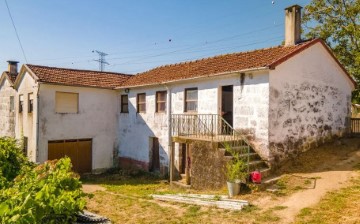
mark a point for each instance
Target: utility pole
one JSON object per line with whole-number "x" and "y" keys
{"x": 101, "y": 60}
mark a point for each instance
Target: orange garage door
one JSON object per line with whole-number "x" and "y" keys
{"x": 79, "y": 151}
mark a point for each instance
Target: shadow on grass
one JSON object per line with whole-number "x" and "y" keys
{"x": 124, "y": 177}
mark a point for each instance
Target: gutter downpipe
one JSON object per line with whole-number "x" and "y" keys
{"x": 37, "y": 122}
{"x": 170, "y": 148}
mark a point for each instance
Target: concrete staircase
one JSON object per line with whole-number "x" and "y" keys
{"x": 254, "y": 160}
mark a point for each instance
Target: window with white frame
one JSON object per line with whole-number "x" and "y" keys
{"x": 191, "y": 100}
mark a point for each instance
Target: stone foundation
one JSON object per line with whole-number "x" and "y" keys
{"x": 207, "y": 166}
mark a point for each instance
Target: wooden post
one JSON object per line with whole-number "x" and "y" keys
{"x": 187, "y": 166}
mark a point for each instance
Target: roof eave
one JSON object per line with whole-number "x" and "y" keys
{"x": 85, "y": 86}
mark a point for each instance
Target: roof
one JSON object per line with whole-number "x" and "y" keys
{"x": 75, "y": 77}
{"x": 235, "y": 62}
{"x": 11, "y": 77}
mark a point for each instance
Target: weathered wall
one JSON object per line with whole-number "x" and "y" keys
{"x": 136, "y": 129}
{"x": 7, "y": 117}
{"x": 309, "y": 102}
{"x": 26, "y": 122}
{"x": 250, "y": 114}
{"x": 96, "y": 119}
{"x": 204, "y": 175}
{"x": 251, "y": 103}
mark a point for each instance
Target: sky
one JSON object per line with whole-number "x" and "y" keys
{"x": 137, "y": 35}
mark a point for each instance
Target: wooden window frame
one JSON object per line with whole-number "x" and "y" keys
{"x": 138, "y": 103}
{"x": 124, "y": 104}
{"x": 186, "y": 101}
{"x": 30, "y": 103}
{"x": 21, "y": 103}
{"x": 158, "y": 102}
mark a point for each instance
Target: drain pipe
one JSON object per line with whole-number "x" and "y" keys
{"x": 170, "y": 148}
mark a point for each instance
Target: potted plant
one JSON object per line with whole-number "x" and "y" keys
{"x": 236, "y": 172}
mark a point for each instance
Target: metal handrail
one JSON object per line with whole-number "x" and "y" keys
{"x": 209, "y": 126}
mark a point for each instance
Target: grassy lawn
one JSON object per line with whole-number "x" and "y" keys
{"x": 128, "y": 200}
{"x": 342, "y": 206}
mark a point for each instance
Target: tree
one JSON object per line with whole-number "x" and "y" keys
{"x": 338, "y": 23}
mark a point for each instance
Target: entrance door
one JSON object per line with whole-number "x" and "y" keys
{"x": 227, "y": 100}
{"x": 155, "y": 157}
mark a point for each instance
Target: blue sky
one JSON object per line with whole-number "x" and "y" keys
{"x": 137, "y": 34}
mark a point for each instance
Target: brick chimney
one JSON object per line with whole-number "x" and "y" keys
{"x": 292, "y": 25}
{"x": 13, "y": 67}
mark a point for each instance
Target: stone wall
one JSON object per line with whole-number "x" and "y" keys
{"x": 310, "y": 100}
{"x": 207, "y": 166}
{"x": 7, "y": 116}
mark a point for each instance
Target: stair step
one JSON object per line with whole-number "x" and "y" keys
{"x": 253, "y": 156}
{"x": 265, "y": 172}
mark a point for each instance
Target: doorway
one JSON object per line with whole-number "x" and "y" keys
{"x": 154, "y": 155}
{"x": 227, "y": 101}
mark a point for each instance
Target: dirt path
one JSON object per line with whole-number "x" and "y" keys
{"x": 336, "y": 178}
{"x": 91, "y": 188}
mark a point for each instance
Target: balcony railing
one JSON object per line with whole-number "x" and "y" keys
{"x": 211, "y": 127}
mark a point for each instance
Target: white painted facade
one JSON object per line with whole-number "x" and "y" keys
{"x": 96, "y": 120}
{"x": 7, "y": 114}
{"x": 250, "y": 112}
{"x": 25, "y": 122}
{"x": 303, "y": 100}
{"x": 310, "y": 101}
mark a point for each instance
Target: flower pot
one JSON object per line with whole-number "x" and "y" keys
{"x": 233, "y": 188}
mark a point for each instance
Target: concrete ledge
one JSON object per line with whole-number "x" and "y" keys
{"x": 222, "y": 202}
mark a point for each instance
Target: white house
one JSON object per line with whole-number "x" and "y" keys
{"x": 282, "y": 100}
{"x": 68, "y": 112}
{"x": 7, "y": 97}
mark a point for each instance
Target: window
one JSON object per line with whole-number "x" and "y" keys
{"x": 141, "y": 103}
{"x": 21, "y": 103}
{"x": 124, "y": 104}
{"x": 66, "y": 102}
{"x": 161, "y": 101}
{"x": 191, "y": 98}
{"x": 30, "y": 103}
{"x": 12, "y": 104}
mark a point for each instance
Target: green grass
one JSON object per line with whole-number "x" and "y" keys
{"x": 341, "y": 206}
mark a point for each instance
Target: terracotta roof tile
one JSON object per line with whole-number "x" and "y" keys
{"x": 216, "y": 65}
{"x": 74, "y": 77}
{"x": 12, "y": 77}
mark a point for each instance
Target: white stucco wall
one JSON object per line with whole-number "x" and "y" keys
{"x": 250, "y": 112}
{"x": 26, "y": 122}
{"x": 309, "y": 101}
{"x": 7, "y": 117}
{"x": 97, "y": 119}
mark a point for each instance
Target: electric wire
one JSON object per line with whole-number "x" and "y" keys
{"x": 16, "y": 32}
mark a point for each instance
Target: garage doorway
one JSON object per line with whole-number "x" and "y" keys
{"x": 78, "y": 150}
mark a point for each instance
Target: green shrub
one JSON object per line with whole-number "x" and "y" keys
{"x": 236, "y": 168}
{"x": 12, "y": 161}
{"x": 48, "y": 193}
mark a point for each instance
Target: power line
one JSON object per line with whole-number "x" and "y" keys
{"x": 101, "y": 60}
{"x": 17, "y": 35}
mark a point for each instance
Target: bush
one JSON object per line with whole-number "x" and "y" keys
{"x": 12, "y": 161}
{"x": 48, "y": 193}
